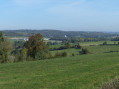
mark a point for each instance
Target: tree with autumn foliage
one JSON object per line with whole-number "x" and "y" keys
{"x": 36, "y": 47}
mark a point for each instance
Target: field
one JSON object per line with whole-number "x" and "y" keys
{"x": 93, "y": 48}
{"x": 79, "y": 72}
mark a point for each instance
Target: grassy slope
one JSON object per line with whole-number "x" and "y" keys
{"x": 69, "y": 51}
{"x": 80, "y": 72}
{"x": 97, "y": 43}
{"x": 92, "y": 49}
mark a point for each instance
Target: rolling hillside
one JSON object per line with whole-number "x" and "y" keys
{"x": 80, "y": 72}
{"x": 56, "y": 33}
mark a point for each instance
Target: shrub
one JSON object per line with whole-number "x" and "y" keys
{"x": 78, "y": 46}
{"x": 41, "y": 55}
{"x": 29, "y": 58}
{"x": 49, "y": 55}
{"x": 114, "y": 42}
{"x": 84, "y": 51}
{"x": 67, "y": 45}
{"x": 112, "y": 85}
{"x": 57, "y": 54}
{"x": 104, "y": 43}
{"x": 61, "y": 48}
{"x": 62, "y": 54}
{"x": 73, "y": 54}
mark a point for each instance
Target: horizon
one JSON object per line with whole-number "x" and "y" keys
{"x": 68, "y": 15}
{"x": 59, "y": 30}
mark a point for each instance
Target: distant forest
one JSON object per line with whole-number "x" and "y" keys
{"x": 57, "y": 33}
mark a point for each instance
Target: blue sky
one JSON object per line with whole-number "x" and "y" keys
{"x": 78, "y": 15}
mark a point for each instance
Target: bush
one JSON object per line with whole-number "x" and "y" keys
{"x": 84, "y": 51}
{"x": 41, "y": 55}
{"x": 60, "y": 48}
{"x": 57, "y": 54}
{"x": 105, "y": 43}
{"x": 49, "y": 55}
{"x": 78, "y": 46}
{"x": 29, "y": 58}
{"x": 112, "y": 85}
{"x": 62, "y": 54}
{"x": 73, "y": 54}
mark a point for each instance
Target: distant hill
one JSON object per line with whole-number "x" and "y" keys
{"x": 56, "y": 33}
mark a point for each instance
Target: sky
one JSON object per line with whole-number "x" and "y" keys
{"x": 68, "y": 15}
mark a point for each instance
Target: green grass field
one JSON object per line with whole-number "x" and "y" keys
{"x": 97, "y": 43}
{"x": 69, "y": 51}
{"x": 79, "y": 72}
{"x": 96, "y": 49}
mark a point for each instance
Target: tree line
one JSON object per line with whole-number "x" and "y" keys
{"x": 33, "y": 49}
{"x": 57, "y": 33}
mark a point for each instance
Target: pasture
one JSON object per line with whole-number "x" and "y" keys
{"x": 79, "y": 72}
{"x": 93, "y": 48}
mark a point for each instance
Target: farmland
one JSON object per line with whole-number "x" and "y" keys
{"x": 59, "y": 44}
{"x": 78, "y": 72}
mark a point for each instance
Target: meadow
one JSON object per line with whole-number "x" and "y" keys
{"x": 79, "y": 72}
{"x": 93, "y": 48}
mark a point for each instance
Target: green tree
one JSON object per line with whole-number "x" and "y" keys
{"x": 24, "y": 54}
{"x": 5, "y": 48}
{"x": 36, "y": 47}
{"x": 105, "y": 43}
{"x": 67, "y": 45}
{"x": 81, "y": 39}
{"x": 84, "y": 51}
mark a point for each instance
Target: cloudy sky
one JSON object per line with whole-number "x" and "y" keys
{"x": 81, "y": 15}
